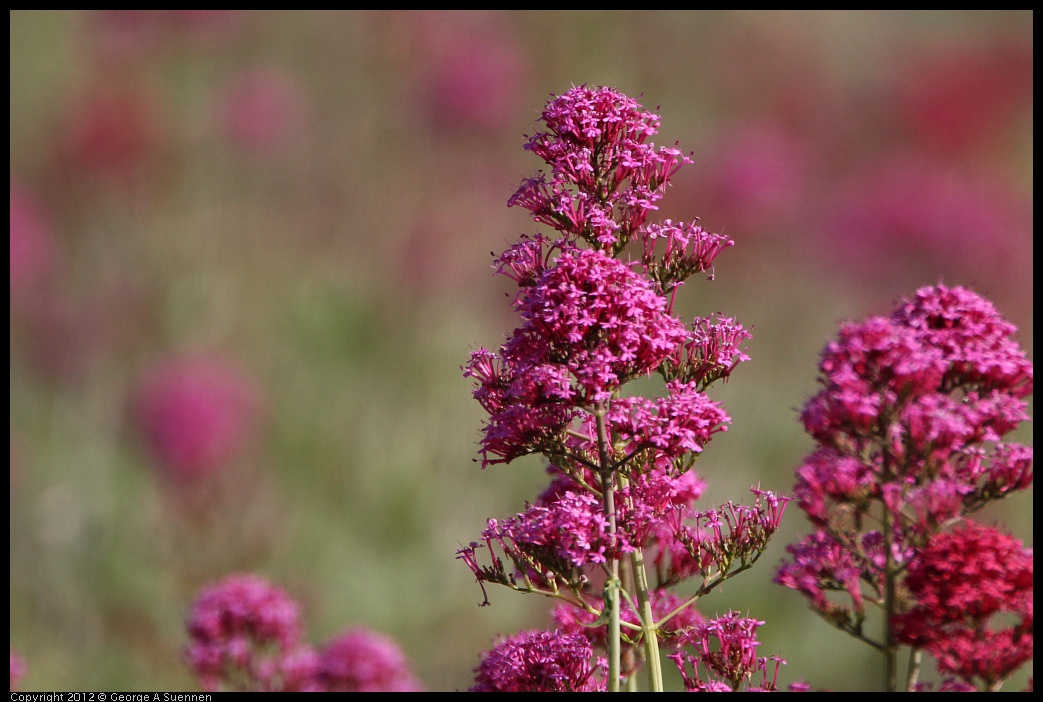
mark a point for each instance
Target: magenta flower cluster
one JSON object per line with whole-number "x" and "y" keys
{"x": 245, "y": 634}
{"x": 597, "y": 313}
{"x": 605, "y": 176}
{"x": 723, "y": 656}
{"x": 540, "y": 661}
{"x": 911, "y": 425}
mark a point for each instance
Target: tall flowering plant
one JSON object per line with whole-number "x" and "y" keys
{"x": 910, "y": 426}
{"x": 616, "y": 537}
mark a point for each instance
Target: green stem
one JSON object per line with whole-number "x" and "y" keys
{"x": 612, "y": 588}
{"x": 648, "y": 627}
{"x": 890, "y": 646}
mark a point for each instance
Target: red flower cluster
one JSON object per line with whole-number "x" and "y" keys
{"x": 963, "y": 582}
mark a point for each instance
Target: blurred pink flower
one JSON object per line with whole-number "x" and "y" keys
{"x": 467, "y": 71}
{"x": 360, "y": 660}
{"x": 245, "y": 635}
{"x": 908, "y": 219}
{"x": 32, "y": 242}
{"x": 259, "y": 109}
{"x": 196, "y": 413}
{"x": 17, "y": 671}
{"x": 932, "y": 90}
{"x": 755, "y": 180}
{"x": 475, "y": 84}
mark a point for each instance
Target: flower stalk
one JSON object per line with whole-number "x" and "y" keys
{"x": 596, "y": 301}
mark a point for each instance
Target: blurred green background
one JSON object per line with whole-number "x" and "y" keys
{"x": 330, "y": 231}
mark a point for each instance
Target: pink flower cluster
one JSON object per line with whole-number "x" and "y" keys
{"x": 598, "y": 318}
{"x": 606, "y": 178}
{"x": 910, "y": 423}
{"x": 259, "y": 109}
{"x": 474, "y": 82}
{"x": 591, "y": 322}
{"x": 245, "y": 635}
{"x": 710, "y": 353}
{"x": 721, "y": 654}
{"x": 725, "y": 657}
{"x": 669, "y": 429}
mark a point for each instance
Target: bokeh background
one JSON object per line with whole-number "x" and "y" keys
{"x": 303, "y": 204}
